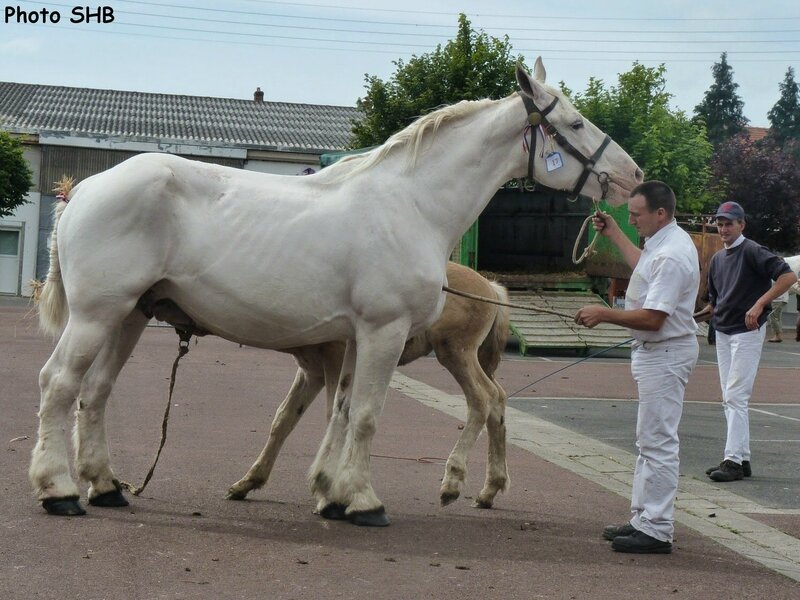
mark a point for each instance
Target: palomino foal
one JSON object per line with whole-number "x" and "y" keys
{"x": 468, "y": 340}
{"x": 355, "y": 253}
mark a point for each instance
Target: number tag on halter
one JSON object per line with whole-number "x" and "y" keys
{"x": 553, "y": 161}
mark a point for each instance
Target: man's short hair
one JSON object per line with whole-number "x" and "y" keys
{"x": 657, "y": 194}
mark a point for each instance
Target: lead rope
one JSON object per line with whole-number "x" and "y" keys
{"x": 572, "y": 364}
{"x": 589, "y": 250}
{"x": 528, "y": 307}
{"x": 183, "y": 350}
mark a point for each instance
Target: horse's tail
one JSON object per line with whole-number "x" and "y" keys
{"x": 491, "y": 349}
{"x": 49, "y": 295}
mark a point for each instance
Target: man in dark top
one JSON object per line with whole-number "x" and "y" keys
{"x": 740, "y": 289}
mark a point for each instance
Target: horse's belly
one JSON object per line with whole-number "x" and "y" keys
{"x": 262, "y": 322}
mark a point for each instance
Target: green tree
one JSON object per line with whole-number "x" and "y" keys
{"x": 764, "y": 179}
{"x": 784, "y": 117}
{"x": 665, "y": 143}
{"x": 721, "y": 108}
{"x": 15, "y": 176}
{"x": 472, "y": 66}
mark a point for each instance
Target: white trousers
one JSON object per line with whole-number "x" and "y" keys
{"x": 661, "y": 370}
{"x": 738, "y": 356}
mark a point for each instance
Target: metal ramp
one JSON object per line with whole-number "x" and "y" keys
{"x": 551, "y": 332}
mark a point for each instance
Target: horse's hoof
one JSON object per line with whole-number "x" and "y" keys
{"x": 238, "y": 495}
{"x": 482, "y": 503}
{"x": 448, "y": 498}
{"x": 112, "y": 499}
{"x": 369, "y": 518}
{"x": 334, "y": 512}
{"x": 63, "y": 507}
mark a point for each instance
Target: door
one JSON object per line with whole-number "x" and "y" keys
{"x": 10, "y": 259}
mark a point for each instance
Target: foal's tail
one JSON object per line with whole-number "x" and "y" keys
{"x": 491, "y": 349}
{"x": 49, "y": 295}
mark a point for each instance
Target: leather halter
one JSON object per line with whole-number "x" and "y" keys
{"x": 537, "y": 117}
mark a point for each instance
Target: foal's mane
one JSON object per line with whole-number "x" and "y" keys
{"x": 410, "y": 137}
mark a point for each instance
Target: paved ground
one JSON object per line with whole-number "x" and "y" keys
{"x": 570, "y": 461}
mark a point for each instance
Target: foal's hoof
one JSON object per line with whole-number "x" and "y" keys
{"x": 370, "y": 518}
{"x": 334, "y": 512}
{"x": 448, "y": 497}
{"x": 63, "y": 507}
{"x": 112, "y": 499}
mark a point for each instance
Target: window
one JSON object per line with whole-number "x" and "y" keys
{"x": 9, "y": 242}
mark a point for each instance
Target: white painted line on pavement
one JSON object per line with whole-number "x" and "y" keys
{"x": 612, "y": 469}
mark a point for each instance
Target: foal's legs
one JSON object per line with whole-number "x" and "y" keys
{"x": 306, "y": 386}
{"x": 60, "y": 382}
{"x": 92, "y": 461}
{"x": 481, "y": 394}
{"x": 496, "y": 466}
{"x": 323, "y": 468}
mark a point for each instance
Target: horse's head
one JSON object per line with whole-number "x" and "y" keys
{"x": 567, "y": 151}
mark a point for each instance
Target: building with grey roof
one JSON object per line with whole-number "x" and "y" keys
{"x": 81, "y": 131}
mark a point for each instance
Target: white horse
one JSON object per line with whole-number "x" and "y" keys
{"x": 356, "y": 252}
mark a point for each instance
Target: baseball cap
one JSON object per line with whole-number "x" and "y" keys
{"x": 730, "y": 210}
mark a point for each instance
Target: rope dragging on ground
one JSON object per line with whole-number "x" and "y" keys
{"x": 183, "y": 349}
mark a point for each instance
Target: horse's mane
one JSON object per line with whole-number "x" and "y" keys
{"x": 408, "y": 138}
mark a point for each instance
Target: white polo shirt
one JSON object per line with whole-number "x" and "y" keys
{"x": 666, "y": 279}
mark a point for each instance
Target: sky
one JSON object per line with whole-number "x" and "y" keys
{"x": 319, "y": 51}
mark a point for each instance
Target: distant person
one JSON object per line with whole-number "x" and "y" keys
{"x": 740, "y": 289}
{"x": 775, "y": 319}
{"x": 659, "y": 303}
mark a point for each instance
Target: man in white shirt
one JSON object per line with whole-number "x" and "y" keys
{"x": 659, "y": 303}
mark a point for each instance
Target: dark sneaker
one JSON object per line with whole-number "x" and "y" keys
{"x": 640, "y": 543}
{"x": 727, "y": 471}
{"x": 746, "y": 470}
{"x": 612, "y": 531}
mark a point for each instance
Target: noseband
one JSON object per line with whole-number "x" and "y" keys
{"x": 537, "y": 118}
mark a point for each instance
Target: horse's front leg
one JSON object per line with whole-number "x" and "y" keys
{"x": 379, "y": 350}
{"x": 306, "y": 386}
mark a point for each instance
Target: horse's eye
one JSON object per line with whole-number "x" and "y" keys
{"x": 577, "y": 125}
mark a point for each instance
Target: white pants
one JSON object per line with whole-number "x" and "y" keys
{"x": 738, "y": 356}
{"x": 661, "y": 370}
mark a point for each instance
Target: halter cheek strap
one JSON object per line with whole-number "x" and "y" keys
{"x": 536, "y": 117}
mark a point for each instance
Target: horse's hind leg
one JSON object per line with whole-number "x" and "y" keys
{"x": 306, "y": 386}
{"x": 496, "y": 467}
{"x": 479, "y": 392}
{"x": 60, "y": 382}
{"x": 92, "y": 460}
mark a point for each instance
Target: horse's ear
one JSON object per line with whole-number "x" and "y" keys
{"x": 538, "y": 70}
{"x": 530, "y": 86}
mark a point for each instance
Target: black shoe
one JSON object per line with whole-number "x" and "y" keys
{"x": 746, "y": 470}
{"x": 727, "y": 471}
{"x": 640, "y": 543}
{"x": 612, "y": 531}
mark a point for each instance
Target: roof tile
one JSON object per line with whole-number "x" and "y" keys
{"x": 32, "y": 108}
